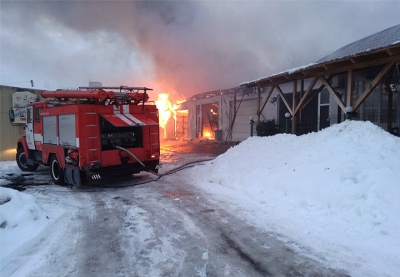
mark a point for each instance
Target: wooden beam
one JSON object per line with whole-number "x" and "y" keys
{"x": 333, "y": 93}
{"x": 349, "y": 87}
{"x": 284, "y": 99}
{"x": 336, "y": 64}
{"x": 360, "y": 65}
{"x": 266, "y": 100}
{"x": 301, "y": 95}
{"x": 392, "y": 53}
{"x": 313, "y": 71}
{"x": 321, "y": 87}
{"x": 373, "y": 85}
{"x": 303, "y": 98}
{"x": 294, "y": 97}
{"x": 294, "y": 117}
{"x": 258, "y": 103}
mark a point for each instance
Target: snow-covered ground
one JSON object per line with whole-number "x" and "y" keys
{"x": 335, "y": 192}
{"x": 21, "y": 218}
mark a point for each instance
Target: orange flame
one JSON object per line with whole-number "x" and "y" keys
{"x": 165, "y": 110}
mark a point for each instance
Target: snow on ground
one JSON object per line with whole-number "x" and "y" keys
{"x": 336, "y": 192}
{"x": 21, "y": 219}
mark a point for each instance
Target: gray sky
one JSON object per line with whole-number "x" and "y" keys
{"x": 180, "y": 47}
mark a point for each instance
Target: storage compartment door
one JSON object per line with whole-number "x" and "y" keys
{"x": 67, "y": 129}
{"x": 50, "y": 129}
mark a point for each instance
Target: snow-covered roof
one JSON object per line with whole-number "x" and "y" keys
{"x": 378, "y": 42}
{"x": 219, "y": 92}
{"x": 382, "y": 39}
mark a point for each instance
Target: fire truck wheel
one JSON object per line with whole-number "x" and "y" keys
{"x": 57, "y": 174}
{"x": 23, "y": 163}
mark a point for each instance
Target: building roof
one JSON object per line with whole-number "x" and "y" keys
{"x": 218, "y": 93}
{"x": 382, "y": 39}
{"x": 375, "y": 47}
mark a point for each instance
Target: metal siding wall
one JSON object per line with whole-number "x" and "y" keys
{"x": 224, "y": 115}
{"x": 191, "y": 106}
{"x": 248, "y": 108}
{"x": 9, "y": 134}
{"x": 192, "y": 120}
{"x": 241, "y": 129}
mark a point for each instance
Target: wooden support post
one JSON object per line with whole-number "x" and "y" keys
{"x": 299, "y": 109}
{"x": 294, "y": 116}
{"x": 258, "y": 103}
{"x": 349, "y": 88}
{"x": 390, "y": 111}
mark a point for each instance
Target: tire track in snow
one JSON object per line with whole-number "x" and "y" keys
{"x": 234, "y": 246}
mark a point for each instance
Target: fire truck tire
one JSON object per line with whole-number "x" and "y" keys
{"x": 57, "y": 173}
{"x": 23, "y": 163}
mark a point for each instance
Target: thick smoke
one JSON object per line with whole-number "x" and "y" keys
{"x": 182, "y": 47}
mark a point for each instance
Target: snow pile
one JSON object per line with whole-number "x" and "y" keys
{"x": 21, "y": 219}
{"x": 337, "y": 191}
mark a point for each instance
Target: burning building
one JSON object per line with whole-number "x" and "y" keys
{"x": 222, "y": 115}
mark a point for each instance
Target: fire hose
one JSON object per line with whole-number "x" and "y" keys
{"x": 172, "y": 171}
{"x": 136, "y": 158}
{"x": 166, "y": 173}
{"x": 159, "y": 176}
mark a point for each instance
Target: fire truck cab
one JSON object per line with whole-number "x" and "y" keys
{"x": 91, "y": 133}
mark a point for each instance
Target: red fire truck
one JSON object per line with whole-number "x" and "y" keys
{"x": 91, "y": 133}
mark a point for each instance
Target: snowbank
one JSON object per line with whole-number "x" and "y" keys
{"x": 336, "y": 191}
{"x": 21, "y": 219}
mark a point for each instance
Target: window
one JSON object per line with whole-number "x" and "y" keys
{"x": 37, "y": 115}
{"x": 324, "y": 97}
{"x": 29, "y": 115}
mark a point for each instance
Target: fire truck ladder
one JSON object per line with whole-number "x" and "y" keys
{"x": 93, "y": 140}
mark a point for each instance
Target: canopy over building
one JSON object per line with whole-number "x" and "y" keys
{"x": 361, "y": 80}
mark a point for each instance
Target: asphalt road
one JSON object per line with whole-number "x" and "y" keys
{"x": 163, "y": 228}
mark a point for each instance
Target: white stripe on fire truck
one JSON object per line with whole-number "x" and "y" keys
{"x": 134, "y": 119}
{"x": 125, "y": 109}
{"x": 123, "y": 118}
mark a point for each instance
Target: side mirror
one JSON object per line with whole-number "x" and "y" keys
{"x": 11, "y": 115}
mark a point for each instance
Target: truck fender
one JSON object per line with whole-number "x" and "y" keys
{"x": 22, "y": 144}
{"x": 46, "y": 157}
{"x": 46, "y": 160}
